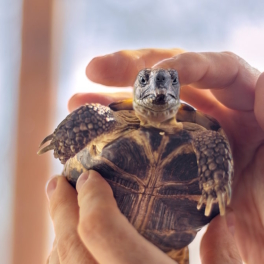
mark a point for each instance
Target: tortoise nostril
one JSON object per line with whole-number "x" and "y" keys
{"x": 160, "y": 78}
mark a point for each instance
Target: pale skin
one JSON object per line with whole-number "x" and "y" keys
{"x": 89, "y": 227}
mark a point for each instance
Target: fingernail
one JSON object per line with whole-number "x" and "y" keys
{"x": 50, "y": 187}
{"x": 230, "y": 222}
{"x": 81, "y": 180}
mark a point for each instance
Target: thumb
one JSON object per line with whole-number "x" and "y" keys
{"x": 218, "y": 245}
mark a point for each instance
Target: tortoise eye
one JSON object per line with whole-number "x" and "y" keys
{"x": 143, "y": 79}
{"x": 174, "y": 77}
{"x": 174, "y": 81}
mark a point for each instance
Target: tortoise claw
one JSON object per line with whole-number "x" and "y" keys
{"x": 209, "y": 204}
{"x": 221, "y": 202}
{"x": 47, "y": 148}
{"x": 228, "y": 193}
{"x": 46, "y": 139}
{"x": 200, "y": 203}
{"x": 222, "y": 198}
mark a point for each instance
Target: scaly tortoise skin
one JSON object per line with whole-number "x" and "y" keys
{"x": 170, "y": 166}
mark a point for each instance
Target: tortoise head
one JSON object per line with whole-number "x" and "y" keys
{"x": 156, "y": 94}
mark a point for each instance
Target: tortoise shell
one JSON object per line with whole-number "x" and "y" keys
{"x": 155, "y": 181}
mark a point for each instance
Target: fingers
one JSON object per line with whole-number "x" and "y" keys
{"x": 105, "y": 231}
{"x": 122, "y": 67}
{"x": 105, "y": 99}
{"x": 202, "y": 100}
{"x": 231, "y": 79}
{"x": 259, "y": 101}
{"x": 218, "y": 245}
{"x": 64, "y": 213}
{"x": 206, "y": 102}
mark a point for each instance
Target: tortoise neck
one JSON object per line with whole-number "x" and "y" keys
{"x": 170, "y": 125}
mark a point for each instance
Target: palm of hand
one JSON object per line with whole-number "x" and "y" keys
{"x": 247, "y": 198}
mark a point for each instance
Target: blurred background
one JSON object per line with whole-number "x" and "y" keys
{"x": 45, "y": 46}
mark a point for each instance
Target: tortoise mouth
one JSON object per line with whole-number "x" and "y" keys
{"x": 160, "y": 99}
{"x": 157, "y": 102}
{"x": 157, "y": 107}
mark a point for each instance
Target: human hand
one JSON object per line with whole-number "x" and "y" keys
{"x": 90, "y": 228}
{"x": 229, "y": 90}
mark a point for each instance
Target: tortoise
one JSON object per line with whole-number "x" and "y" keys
{"x": 169, "y": 165}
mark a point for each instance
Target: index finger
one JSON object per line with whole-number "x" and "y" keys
{"x": 121, "y": 68}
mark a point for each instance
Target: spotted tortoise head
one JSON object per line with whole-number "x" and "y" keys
{"x": 157, "y": 94}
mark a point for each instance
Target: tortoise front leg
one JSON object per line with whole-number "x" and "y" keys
{"x": 215, "y": 169}
{"x": 78, "y": 129}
